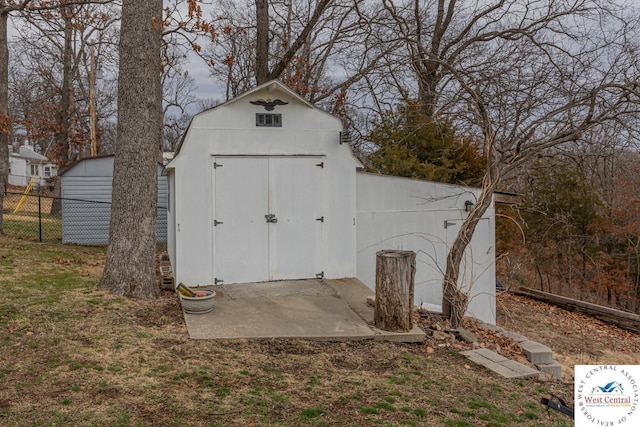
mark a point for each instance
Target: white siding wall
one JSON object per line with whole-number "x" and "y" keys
{"x": 230, "y": 130}
{"x": 400, "y": 213}
{"x": 390, "y": 213}
{"x": 21, "y": 171}
{"x": 171, "y": 223}
{"x": 19, "y": 175}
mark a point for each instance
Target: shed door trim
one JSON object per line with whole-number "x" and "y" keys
{"x": 265, "y": 211}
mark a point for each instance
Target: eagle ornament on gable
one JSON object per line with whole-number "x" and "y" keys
{"x": 269, "y": 105}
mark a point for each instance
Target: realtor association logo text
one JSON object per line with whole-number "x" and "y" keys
{"x": 607, "y": 395}
{"x": 593, "y": 400}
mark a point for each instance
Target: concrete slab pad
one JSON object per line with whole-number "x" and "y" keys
{"x": 281, "y": 288}
{"x": 357, "y": 294}
{"x": 490, "y": 355}
{"x": 518, "y": 370}
{"x": 480, "y": 358}
{"x": 328, "y": 310}
{"x": 500, "y": 364}
{"x": 279, "y": 317}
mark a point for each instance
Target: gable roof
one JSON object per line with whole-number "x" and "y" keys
{"x": 271, "y": 86}
{"x": 88, "y": 159}
{"x": 27, "y": 152}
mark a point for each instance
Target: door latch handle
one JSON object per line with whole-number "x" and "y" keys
{"x": 271, "y": 218}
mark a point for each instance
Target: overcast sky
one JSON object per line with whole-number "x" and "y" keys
{"x": 206, "y": 87}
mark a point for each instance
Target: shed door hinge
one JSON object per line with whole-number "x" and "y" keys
{"x": 217, "y": 281}
{"x": 216, "y": 223}
{"x": 448, "y": 224}
{"x": 217, "y": 165}
{"x": 321, "y": 164}
{"x": 320, "y": 275}
{"x": 321, "y": 219}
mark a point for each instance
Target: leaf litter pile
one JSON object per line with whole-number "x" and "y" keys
{"x": 74, "y": 356}
{"x": 575, "y": 338}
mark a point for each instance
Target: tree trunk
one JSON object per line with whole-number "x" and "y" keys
{"x": 395, "y": 277}
{"x": 130, "y": 263}
{"x": 56, "y": 202}
{"x": 428, "y": 80}
{"x": 262, "y": 41}
{"x": 62, "y": 152}
{"x": 454, "y": 301}
{"x": 5, "y": 123}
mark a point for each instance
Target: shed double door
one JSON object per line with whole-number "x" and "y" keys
{"x": 267, "y": 218}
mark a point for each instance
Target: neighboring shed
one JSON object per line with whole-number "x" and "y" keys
{"x": 263, "y": 188}
{"x": 86, "y": 201}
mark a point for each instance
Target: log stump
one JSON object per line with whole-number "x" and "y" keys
{"x": 395, "y": 280}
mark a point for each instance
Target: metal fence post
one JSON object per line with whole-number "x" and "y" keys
{"x": 39, "y": 218}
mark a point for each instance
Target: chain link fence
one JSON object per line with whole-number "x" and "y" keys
{"x": 50, "y": 219}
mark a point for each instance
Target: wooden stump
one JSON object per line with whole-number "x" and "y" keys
{"x": 395, "y": 278}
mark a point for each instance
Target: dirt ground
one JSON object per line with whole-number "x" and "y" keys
{"x": 575, "y": 339}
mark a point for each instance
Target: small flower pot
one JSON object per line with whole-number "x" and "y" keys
{"x": 198, "y": 304}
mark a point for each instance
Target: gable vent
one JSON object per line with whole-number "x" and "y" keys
{"x": 268, "y": 120}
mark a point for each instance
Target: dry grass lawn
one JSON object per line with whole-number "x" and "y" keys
{"x": 72, "y": 356}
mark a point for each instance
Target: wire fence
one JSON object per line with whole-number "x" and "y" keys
{"x": 43, "y": 218}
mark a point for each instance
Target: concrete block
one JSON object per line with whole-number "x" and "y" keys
{"x": 490, "y": 327}
{"x": 537, "y": 353}
{"x": 554, "y": 369}
{"x": 466, "y": 335}
{"x": 516, "y": 337}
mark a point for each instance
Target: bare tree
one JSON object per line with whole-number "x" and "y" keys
{"x": 521, "y": 105}
{"x": 265, "y": 73}
{"x": 57, "y": 52}
{"x": 319, "y": 49}
{"x": 6, "y": 8}
{"x": 5, "y": 122}
{"x": 177, "y": 96}
{"x": 130, "y": 264}
{"x": 518, "y": 76}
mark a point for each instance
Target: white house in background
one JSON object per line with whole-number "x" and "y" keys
{"x": 26, "y": 163}
{"x": 262, "y": 188}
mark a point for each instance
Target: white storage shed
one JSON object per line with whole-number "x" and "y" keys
{"x": 262, "y": 188}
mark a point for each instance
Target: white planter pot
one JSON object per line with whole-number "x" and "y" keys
{"x": 198, "y": 305}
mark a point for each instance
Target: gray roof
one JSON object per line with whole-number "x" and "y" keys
{"x": 26, "y": 152}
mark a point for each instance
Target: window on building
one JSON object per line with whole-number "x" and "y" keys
{"x": 269, "y": 120}
{"x": 34, "y": 170}
{"x": 47, "y": 171}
